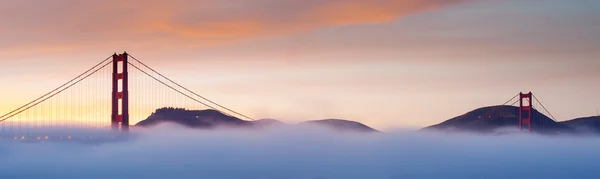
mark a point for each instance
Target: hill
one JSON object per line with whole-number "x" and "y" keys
{"x": 341, "y": 125}
{"x": 193, "y": 118}
{"x": 584, "y": 124}
{"x": 493, "y": 118}
{"x": 263, "y": 123}
{"x": 207, "y": 119}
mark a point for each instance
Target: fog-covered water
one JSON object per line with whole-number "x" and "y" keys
{"x": 303, "y": 152}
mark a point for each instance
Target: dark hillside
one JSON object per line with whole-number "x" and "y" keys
{"x": 488, "y": 119}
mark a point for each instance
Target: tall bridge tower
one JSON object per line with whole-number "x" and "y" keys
{"x": 120, "y": 93}
{"x": 525, "y": 110}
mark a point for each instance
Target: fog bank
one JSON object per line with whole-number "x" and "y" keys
{"x": 301, "y": 152}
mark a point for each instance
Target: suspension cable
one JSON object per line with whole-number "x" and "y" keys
{"x": 514, "y": 103}
{"x": 178, "y": 91}
{"x": 510, "y": 100}
{"x": 58, "y": 92}
{"x": 553, "y": 118}
{"x": 56, "y": 89}
{"x": 230, "y": 110}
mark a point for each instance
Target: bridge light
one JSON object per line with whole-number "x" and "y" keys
{"x": 38, "y": 138}
{"x": 46, "y": 138}
{"x": 22, "y": 137}
{"x": 69, "y": 137}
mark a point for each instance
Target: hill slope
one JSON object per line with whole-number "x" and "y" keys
{"x": 193, "y": 118}
{"x": 341, "y": 125}
{"x": 584, "y": 124}
{"x": 206, "y": 119}
{"x": 492, "y": 118}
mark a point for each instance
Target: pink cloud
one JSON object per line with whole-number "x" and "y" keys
{"x": 36, "y": 24}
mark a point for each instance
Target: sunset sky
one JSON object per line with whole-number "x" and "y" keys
{"x": 386, "y": 63}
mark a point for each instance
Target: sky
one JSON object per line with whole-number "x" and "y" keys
{"x": 386, "y": 63}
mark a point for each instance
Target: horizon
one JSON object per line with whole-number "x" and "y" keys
{"x": 387, "y": 64}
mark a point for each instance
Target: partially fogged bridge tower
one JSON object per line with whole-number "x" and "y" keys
{"x": 120, "y": 99}
{"x": 525, "y": 110}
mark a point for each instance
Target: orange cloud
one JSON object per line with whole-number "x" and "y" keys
{"x": 289, "y": 19}
{"x": 365, "y": 12}
{"x": 203, "y": 22}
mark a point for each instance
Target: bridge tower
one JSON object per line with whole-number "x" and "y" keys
{"x": 525, "y": 110}
{"x": 120, "y": 99}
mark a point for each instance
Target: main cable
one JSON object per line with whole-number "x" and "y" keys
{"x": 56, "y": 89}
{"x": 230, "y": 110}
{"x": 510, "y": 100}
{"x": 553, "y": 118}
{"x": 58, "y": 92}
{"x": 171, "y": 87}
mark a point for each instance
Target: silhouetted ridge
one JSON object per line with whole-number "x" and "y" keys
{"x": 206, "y": 119}
{"x": 267, "y": 123}
{"x": 584, "y": 124}
{"x": 342, "y": 125}
{"x": 193, "y": 118}
{"x": 489, "y": 119}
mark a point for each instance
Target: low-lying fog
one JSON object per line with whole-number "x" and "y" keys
{"x": 303, "y": 152}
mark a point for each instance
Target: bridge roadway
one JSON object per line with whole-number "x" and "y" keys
{"x": 90, "y": 137}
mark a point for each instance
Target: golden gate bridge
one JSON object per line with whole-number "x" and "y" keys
{"x": 122, "y": 90}
{"x": 110, "y": 96}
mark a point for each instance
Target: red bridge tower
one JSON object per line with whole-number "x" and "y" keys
{"x": 525, "y": 110}
{"x": 120, "y": 99}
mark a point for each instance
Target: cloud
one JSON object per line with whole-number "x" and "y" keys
{"x": 303, "y": 152}
{"x": 65, "y": 23}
